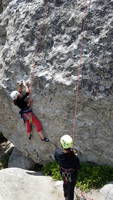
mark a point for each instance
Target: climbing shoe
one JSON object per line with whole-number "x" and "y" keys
{"x": 30, "y": 136}
{"x": 45, "y": 139}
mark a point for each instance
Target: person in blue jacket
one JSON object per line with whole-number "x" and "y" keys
{"x": 69, "y": 165}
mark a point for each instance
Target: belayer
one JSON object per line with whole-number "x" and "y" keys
{"x": 22, "y": 100}
{"x": 69, "y": 166}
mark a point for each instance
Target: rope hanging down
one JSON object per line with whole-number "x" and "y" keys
{"x": 88, "y": 3}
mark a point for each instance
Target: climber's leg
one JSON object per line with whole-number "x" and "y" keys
{"x": 28, "y": 121}
{"x": 37, "y": 123}
{"x": 39, "y": 128}
{"x": 28, "y": 128}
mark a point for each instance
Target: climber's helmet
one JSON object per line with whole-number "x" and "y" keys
{"x": 66, "y": 141}
{"x": 14, "y": 95}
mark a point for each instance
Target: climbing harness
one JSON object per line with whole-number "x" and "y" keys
{"x": 67, "y": 174}
{"x": 74, "y": 131}
{"x": 23, "y": 114}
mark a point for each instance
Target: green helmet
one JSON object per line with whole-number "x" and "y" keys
{"x": 66, "y": 141}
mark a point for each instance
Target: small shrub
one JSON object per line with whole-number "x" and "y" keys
{"x": 52, "y": 169}
{"x": 2, "y": 138}
{"x": 1, "y": 165}
{"x": 91, "y": 176}
{"x": 4, "y": 161}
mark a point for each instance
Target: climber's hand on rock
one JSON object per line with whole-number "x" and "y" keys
{"x": 28, "y": 83}
{"x": 20, "y": 83}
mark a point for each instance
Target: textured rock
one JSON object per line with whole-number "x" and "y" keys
{"x": 1, "y": 7}
{"x": 3, "y": 4}
{"x": 69, "y": 41}
{"x": 107, "y": 191}
{"x": 91, "y": 195}
{"x": 18, "y": 160}
{"x": 21, "y": 184}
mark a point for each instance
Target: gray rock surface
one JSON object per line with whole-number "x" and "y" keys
{"x": 107, "y": 191}
{"x": 91, "y": 195}
{"x": 21, "y": 184}
{"x": 16, "y": 159}
{"x": 68, "y": 41}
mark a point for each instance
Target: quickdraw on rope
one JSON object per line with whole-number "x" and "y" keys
{"x": 88, "y": 3}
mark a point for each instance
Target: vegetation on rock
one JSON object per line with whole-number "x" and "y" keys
{"x": 91, "y": 176}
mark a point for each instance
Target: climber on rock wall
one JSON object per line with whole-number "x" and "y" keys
{"x": 69, "y": 166}
{"x": 22, "y": 100}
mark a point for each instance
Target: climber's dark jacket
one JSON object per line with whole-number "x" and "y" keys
{"x": 67, "y": 160}
{"x": 21, "y": 102}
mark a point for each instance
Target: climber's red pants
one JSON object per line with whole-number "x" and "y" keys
{"x": 31, "y": 119}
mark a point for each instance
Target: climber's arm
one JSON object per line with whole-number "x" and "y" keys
{"x": 27, "y": 87}
{"x": 20, "y": 86}
{"x": 28, "y": 92}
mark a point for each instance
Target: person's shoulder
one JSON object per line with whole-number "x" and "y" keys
{"x": 58, "y": 151}
{"x": 59, "y": 154}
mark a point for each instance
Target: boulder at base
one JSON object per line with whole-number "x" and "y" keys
{"x": 107, "y": 190}
{"x": 20, "y": 184}
{"x": 20, "y": 161}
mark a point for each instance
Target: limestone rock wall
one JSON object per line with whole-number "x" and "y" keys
{"x": 67, "y": 40}
{"x": 17, "y": 183}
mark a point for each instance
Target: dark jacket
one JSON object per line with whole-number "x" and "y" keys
{"x": 67, "y": 160}
{"x": 21, "y": 102}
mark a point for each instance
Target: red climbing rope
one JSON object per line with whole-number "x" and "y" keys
{"x": 79, "y": 72}
{"x": 85, "y": 196}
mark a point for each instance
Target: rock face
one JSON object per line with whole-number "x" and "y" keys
{"x": 19, "y": 161}
{"x": 22, "y": 184}
{"x": 107, "y": 191}
{"x": 70, "y": 42}
{"x": 92, "y": 195}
